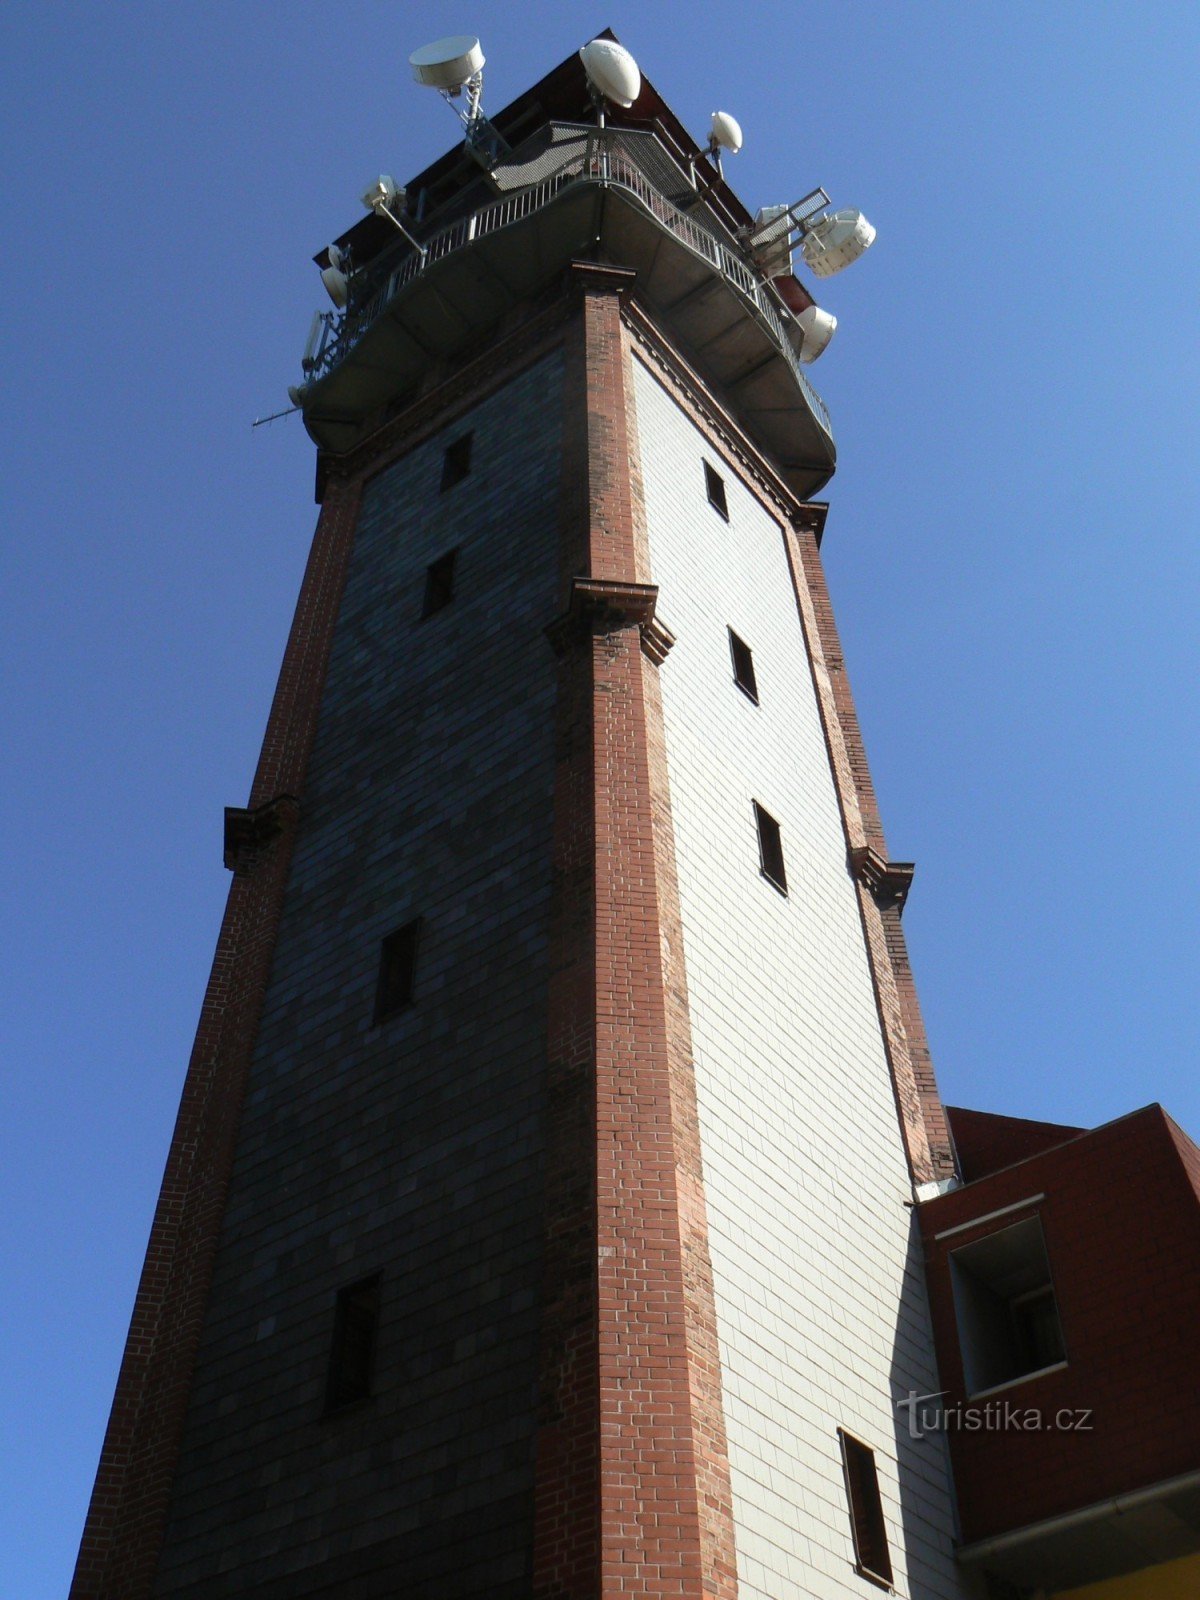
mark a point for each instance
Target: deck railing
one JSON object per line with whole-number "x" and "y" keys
{"x": 610, "y": 157}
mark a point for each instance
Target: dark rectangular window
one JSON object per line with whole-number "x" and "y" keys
{"x": 743, "y": 666}
{"x": 866, "y": 1510}
{"x": 439, "y": 583}
{"x": 714, "y": 486}
{"x": 397, "y": 969}
{"x": 1004, "y": 1301}
{"x": 770, "y": 848}
{"x": 456, "y": 463}
{"x": 352, "y": 1356}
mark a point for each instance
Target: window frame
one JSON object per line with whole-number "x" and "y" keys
{"x": 385, "y": 1007}
{"x": 436, "y": 598}
{"x": 345, "y": 1388}
{"x": 990, "y": 1285}
{"x": 870, "y": 1517}
{"x": 456, "y": 461}
{"x": 714, "y": 489}
{"x": 748, "y": 688}
{"x": 774, "y": 832}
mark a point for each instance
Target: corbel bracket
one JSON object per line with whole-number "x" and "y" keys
{"x": 246, "y": 830}
{"x": 599, "y": 605}
{"x": 810, "y": 518}
{"x": 602, "y": 277}
{"x": 888, "y": 881}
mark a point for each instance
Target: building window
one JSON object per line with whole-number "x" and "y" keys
{"x": 352, "y": 1355}
{"x": 714, "y": 486}
{"x": 743, "y": 666}
{"x": 439, "y": 583}
{"x": 456, "y": 462}
{"x": 1008, "y": 1324}
{"x": 397, "y": 969}
{"x": 871, "y": 1557}
{"x": 770, "y": 848}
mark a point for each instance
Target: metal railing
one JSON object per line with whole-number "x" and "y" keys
{"x": 609, "y": 158}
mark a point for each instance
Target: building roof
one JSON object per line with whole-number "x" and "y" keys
{"x": 986, "y": 1142}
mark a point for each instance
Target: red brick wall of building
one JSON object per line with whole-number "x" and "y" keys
{"x": 984, "y": 1142}
{"x": 1122, "y": 1232}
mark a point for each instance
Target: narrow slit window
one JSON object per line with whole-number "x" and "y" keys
{"x": 714, "y": 487}
{"x": 743, "y": 666}
{"x": 872, "y": 1558}
{"x": 456, "y": 462}
{"x": 397, "y": 971}
{"x": 770, "y": 848}
{"x": 352, "y": 1355}
{"x": 439, "y": 584}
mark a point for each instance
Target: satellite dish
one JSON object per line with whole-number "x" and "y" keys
{"x": 386, "y": 198}
{"x": 612, "y": 71}
{"x": 726, "y": 133}
{"x": 384, "y": 195}
{"x": 337, "y": 286}
{"x": 818, "y": 327}
{"x": 298, "y": 395}
{"x": 447, "y": 64}
{"x": 335, "y": 278}
{"x": 835, "y": 241}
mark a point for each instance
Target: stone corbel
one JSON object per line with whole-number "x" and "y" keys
{"x": 888, "y": 881}
{"x": 602, "y": 277}
{"x": 810, "y": 518}
{"x": 246, "y": 830}
{"x": 600, "y": 605}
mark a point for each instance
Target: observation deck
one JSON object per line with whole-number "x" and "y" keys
{"x": 570, "y": 190}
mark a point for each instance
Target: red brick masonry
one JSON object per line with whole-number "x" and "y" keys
{"x": 882, "y": 886}
{"x": 618, "y": 1497}
{"x": 985, "y": 1142}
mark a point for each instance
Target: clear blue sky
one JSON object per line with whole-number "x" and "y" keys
{"x": 1011, "y": 546}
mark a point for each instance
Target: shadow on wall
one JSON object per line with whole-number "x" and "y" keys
{"x": 928, "y": 1515}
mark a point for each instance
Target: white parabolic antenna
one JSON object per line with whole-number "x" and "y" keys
{"x": 612, "y": 71}
{"x": 835, "y": 241}
{"x": 336, "y": 285}
{"x": 726, "y": 132}
{"x": 335, "y": 279}
{"x": 818, "y": 327}
{"x": 447, "y": 63}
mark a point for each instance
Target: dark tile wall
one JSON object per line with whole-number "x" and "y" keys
{"x": 412, "y": 1148}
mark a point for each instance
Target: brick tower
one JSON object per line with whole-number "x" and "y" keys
{"x": 538, "y": 1219}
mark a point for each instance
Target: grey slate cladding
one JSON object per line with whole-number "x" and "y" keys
{"x": 411, "y": 1149}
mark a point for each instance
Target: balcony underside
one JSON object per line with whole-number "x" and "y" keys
{"x": 1126, "y": 1535}
{"x": 457, "y": 298}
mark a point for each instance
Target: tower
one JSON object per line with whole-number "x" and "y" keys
{"x": 538, "y": 1220}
